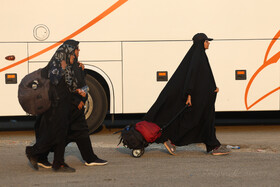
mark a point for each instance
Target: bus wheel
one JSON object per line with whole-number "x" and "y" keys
{"x": 97, "y": 105}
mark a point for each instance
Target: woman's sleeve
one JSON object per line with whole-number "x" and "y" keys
{"x": 192, "y": 73}
{"x": 212, "y": 76}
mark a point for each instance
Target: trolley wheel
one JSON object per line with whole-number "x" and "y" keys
{"x": 138, "y": 152}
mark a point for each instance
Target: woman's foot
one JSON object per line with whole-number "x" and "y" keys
{"x": 33, "y": 161}
{"x": 44, "y": 164}
{"x": 171, "y": 148}
{"x": 64, "y": 168}
{"x": 97, "y": 162}
{"x": 221, "y": 150}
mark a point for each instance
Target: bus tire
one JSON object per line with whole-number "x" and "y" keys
{"x": 97, "y": 104}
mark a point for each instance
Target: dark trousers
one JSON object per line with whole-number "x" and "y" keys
{"x": 77, "y": 132}
{"x": 52, "y": 126}
{"x": 85, "y": 148}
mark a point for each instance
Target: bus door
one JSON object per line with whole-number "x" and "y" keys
{"x": 10, "y": 78}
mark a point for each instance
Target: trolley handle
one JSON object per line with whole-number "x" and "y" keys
{"x": 173, "y": 119}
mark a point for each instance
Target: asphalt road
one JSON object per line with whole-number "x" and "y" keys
{"x": 257, "y": 163}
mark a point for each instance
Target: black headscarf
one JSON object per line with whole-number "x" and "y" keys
{"x": 55, "y": 70}
{"x": 192, "y": 77}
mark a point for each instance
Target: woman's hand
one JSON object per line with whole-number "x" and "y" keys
{"x": 81, "y": 105}
{"x": 63, "y": 64}
{"x": 81, "y": 65}
{"x": 81, "y": 92}
{"x": 189, "y": 102}
{"x": 217, "y": 90}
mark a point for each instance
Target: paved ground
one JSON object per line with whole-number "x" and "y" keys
{"x": 257, "y": 163}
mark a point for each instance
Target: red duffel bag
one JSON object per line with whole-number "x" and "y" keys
{"x": 149, "y": 130}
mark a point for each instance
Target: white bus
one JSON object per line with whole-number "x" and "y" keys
{"x": 131, "y": 48}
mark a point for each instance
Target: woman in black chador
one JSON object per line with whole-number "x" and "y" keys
{"x": 65, "y": 121}
{"x": 78, "y": 131}
{"x": 192, "y": 84}
{"x": 54, "y": 123}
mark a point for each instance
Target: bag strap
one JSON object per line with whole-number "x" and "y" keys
{"x": 173, "y": 119}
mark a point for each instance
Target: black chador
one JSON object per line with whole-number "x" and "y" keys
{"x": 193, "y": 77}
{"x": 52, "y": 126}
{"x": 76, "y": 129}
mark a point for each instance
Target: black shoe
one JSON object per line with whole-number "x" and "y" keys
{"x": 64, "y": 168}
{"x": 45, "y": 164}
{"x": 97, "y": 162}
{"x": 33, "y": 161}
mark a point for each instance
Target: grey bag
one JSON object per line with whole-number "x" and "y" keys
{"x": 33, "y": 93}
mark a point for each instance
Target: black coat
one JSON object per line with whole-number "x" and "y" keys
{"x": 195, "y": 125}
{"x": 78, "y": 126}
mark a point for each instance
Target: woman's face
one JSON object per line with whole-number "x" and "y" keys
{"x": 72, "y": 57}
{"x": 206, "y": 44}
{"x": 77, "y": 51}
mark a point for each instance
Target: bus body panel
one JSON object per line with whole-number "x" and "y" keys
{"x": 9, "y": 91}
{"x": 249, "y": 56}
{"x": 111, "y": 72}
{"x": 142, "y": 61}
{"x": 140, "y": 20}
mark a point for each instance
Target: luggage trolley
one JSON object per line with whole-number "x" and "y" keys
{"x": 141, "y": 134}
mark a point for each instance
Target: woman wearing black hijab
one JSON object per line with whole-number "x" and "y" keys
{"x": 78, "y": 130}
{"x": 54, "y": 122}
{"x": 192, "y": 84}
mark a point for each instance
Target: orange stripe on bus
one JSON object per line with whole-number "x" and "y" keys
{"x": 85, "y": 27}
{"x": 263, "y": 97}
{"x": 266, "y": 63}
